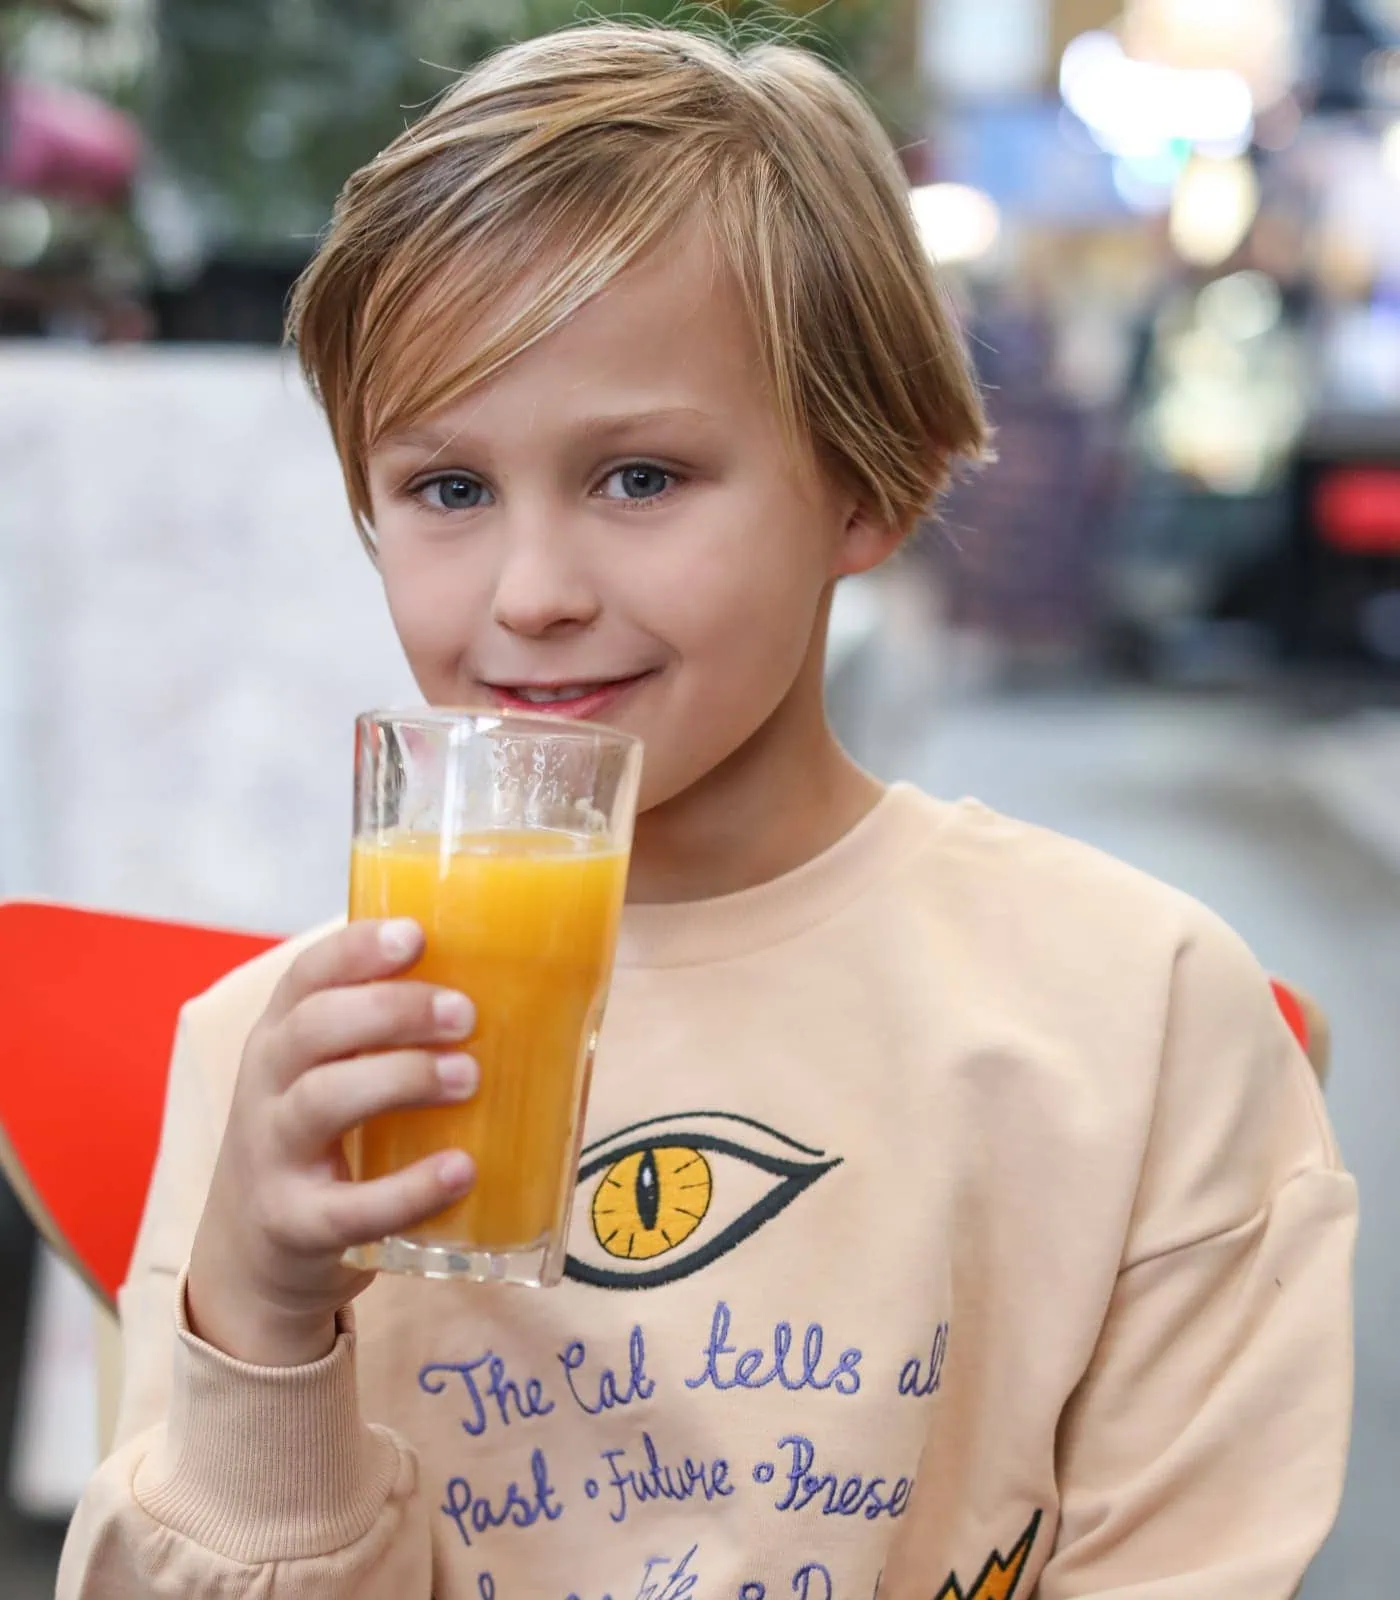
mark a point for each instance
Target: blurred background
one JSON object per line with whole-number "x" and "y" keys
{"x": 1167, "y": 620}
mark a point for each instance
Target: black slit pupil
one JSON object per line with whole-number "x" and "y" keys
{"x": 648, "y": 1191}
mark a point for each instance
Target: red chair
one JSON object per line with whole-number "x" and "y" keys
{"x": 90, "y": 1002}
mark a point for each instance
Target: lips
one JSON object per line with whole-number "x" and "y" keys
{"x": 579, "y": 698}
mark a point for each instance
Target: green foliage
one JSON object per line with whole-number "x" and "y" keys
{"x": 262, "y": 107}
{"x": 841, "y": 30}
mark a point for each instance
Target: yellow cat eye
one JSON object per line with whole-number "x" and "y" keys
{"x": 651, "y": 1201}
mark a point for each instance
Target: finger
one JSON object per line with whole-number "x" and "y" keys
{"x": 357, "y": 953}
{"x": 358, "y": 1213}
{"x": 326, "y": 1102}
{"x": 371, "y": 1017}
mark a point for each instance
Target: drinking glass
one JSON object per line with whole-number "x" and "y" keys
{"x": 506, "y": 837}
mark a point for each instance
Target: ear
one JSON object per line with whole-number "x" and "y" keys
{"x": 866, "y": 541}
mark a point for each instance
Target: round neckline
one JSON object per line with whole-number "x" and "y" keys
{"x": 693, "y": 932}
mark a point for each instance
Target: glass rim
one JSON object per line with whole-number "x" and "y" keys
{"x": 484, "y": 720}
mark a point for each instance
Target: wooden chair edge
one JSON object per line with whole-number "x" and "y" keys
{"x": 43, "y": 1220}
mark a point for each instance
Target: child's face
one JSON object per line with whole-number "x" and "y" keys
{"x": 612, "y": 527}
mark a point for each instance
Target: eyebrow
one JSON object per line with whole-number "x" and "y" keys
{"x": 594, "y": 429}
{"x": 607, "y": 427}
{"x": 418, "y": 438}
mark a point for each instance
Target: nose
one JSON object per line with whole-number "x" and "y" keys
{"x": 542, "y": 587}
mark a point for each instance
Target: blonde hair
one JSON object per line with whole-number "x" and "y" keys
{"x": 547, "y": 169}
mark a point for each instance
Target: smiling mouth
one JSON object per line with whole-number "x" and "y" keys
{"x": 579, "y": 698}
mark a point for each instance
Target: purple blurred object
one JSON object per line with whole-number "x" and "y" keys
{"x": 60, "y": 144}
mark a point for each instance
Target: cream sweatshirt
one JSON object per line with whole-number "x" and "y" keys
{"x": 957, "y": 1221}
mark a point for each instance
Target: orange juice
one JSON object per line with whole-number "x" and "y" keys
{"x": 524, "y": 922}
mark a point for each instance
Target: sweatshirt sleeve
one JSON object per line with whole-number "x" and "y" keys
{"x": 227, "y": 1478}
{"x": 1203, "y": 1453}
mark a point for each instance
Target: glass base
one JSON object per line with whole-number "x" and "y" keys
{"x": 535, "y": 1266}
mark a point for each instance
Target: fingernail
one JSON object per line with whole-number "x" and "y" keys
{"x": 400, "y": 938}
{"x": 454, "y": 1169}
{"x": 453, "y": 1013}
{"x": 458, "y": 1074}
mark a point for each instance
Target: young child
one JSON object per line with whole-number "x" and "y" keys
{"x": 1014, "y": 1250}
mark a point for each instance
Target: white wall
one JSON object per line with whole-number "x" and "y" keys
{"x": 187, "y": 628}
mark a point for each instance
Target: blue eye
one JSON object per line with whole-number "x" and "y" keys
{"x": 454, "y": 491}
{"x": 639, "y": 480}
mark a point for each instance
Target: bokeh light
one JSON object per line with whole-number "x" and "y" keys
{"x": 957, "y": 223}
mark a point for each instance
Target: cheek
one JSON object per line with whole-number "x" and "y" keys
{"x": 751, "y": 605}
{"x": 739, "y": 621}
{"x": 432, "y": 610}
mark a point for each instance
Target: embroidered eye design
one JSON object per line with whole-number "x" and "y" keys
{"x": 668, "y": 1196}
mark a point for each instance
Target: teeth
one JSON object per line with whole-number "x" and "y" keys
{"x": 548, "y": 697}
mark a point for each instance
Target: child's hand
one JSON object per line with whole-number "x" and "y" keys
{"x": 336, "y": 1045}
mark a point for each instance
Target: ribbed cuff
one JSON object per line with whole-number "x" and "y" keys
{"x": 266, "y": 1463}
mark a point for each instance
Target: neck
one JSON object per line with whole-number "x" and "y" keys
{"x": 785, "y": 796}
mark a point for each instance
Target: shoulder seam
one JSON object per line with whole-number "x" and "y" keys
{"x": 1218, "y": 1235}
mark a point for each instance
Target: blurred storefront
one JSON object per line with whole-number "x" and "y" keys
{"x": 71, "y": 257}
{"x": 1195, "y": 243}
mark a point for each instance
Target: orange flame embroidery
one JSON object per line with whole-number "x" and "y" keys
{"x": 1001, "y": 1576}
